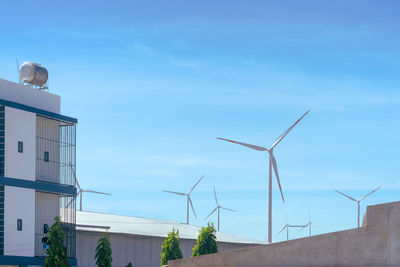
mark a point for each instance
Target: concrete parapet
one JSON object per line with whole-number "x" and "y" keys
{"x": 376, "y": 244}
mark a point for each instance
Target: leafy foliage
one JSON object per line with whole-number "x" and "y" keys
{"x": 129, "y": 265}
{"x": 170, "y": 248}
{"x": 206, "y": 241}
{"x": 103, "y": 252}
{"x": 57, "y": 252}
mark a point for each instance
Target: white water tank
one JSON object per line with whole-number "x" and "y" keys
{"x": 33, "y": 73}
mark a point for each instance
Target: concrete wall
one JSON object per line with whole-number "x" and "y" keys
{"x": 20, "y": 126}
{"x": 377, "y": 244}
{"x": 28, "y": 96}
{"x": 141, "y": 251}
{"x": 19, "y": 203}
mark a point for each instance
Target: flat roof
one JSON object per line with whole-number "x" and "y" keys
{"x": 146, "y": 227}
{"x": 25, "y": 98}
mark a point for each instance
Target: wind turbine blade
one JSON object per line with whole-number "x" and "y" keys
{"x": 304, "y": 226}
{"x": 95, "y": 192}
{"x": 73, "y": 172}
{"x": 211, "y": 213}
{"x": 287, "y": 131}
{"x": 215, "y": 195}
{"x": 349, "y": 197}
{"x": 369, "y": 193}
{"x": 282, "y": 229}
{"x": 191, "y": 204}
{"x": 195, "y": 185}
{"x": 259, "y": 148}
{"x": 182, "y": 194}
{"x": 277, "y": 174}
{"x": 228, "y": 209}
{"x": 74, "y": 198}
{"x": 298, "y": 226}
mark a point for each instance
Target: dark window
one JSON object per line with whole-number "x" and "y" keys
{"x": 19, "y": 224}
{"x": 20, "y": 147}
{"x": 46, "y": 156}
{"x": 45, "y": 228}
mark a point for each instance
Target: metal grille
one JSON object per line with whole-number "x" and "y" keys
{"x": 68, "y": 217}
{"x": 55, "y": 151}
{"x": 55, "y": 163}
{"x": 49, "y": 206}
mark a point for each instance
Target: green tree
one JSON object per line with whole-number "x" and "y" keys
{"x": 129, "y": 265}
{"x": 57, "y": 252}
{"x": 103, "y": 252}
{"x": 206, "y": 241}
{"x": 170, "y": 248}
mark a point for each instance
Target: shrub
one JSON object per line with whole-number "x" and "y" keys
{"x": 170, "y": 248}
{"x": 206, "y": 241}
{"x": 103, "y": 252}
{"x": 57, "y": 252}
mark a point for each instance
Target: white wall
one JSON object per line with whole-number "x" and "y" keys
{"x": 20, "y": 126}
{"x": 19, "y": 203}
{"x": 28, "y": 96}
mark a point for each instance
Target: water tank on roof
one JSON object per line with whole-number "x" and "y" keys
{"x": 33, "y": 73}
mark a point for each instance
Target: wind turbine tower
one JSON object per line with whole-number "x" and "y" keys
{"x": 188, "y": 199}
{"x": 309, "y": 224}
{"x": 358, "y": 202}
{"x": 272, "y": 165}
{"x": 218, "y": 208}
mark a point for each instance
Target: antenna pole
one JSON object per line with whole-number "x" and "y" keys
{"x": 270, "y": 203}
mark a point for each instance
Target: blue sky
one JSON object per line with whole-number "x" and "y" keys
{"x": 154, "y": 82}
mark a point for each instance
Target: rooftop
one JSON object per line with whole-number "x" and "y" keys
{"x": 147, "y": 227}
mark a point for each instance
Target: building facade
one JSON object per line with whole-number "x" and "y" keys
{"x": 37, "y": 173}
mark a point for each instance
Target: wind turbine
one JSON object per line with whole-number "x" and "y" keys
{"x": 358, "y": 202}
{"x": 287, "y": 226}
{"x": 218, "y": 208}
{"x": 81, "y": 191}
{"x": 272, "y": 164}
{"x": 188, "y": 199}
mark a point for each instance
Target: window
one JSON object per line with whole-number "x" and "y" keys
{"x": 45, "y": 228}
{"x": 20, "y": 147}
{"x": 46, "y": 156}
{"x": 19, "y": 224}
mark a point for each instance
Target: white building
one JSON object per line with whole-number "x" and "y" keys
{"x": 37, "y": 160}
{"x": 138, "y": 240}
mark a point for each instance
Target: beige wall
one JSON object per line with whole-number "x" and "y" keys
{"x": 141, "y": 251}
{"x": 47, "y": 207}
{"x": 377, "y": 244}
